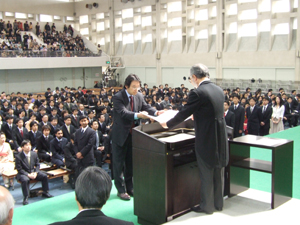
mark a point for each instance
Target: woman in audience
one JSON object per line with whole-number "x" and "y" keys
{"x": 6, "y": 159}
{"x": 276, "y": 123}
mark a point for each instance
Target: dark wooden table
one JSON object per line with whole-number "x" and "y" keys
{"x": 280, "y": 167}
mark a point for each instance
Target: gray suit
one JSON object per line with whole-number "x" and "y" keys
{"x": 206, "y": 103}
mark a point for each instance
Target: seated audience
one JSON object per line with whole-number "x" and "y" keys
{"x": 56, "y": 147}
{"x": 43, "y": 144}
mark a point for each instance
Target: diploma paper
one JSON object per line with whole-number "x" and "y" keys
{"x": 165, "y": 117}
{"x": 177, "y": 138}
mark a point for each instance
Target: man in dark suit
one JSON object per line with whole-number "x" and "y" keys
{"x": 289, "y": 114}
{"x": 91, "y": 197}
{"x": 254, "y": 116}
{"x": 70, "y": 155}
{"x": 81, "y": 110}
{"x": 54, "y": 124}
{"x": 239, "y": 115}
{"x": 34, "y": 134}
{"x": 27, "y": 110}
{"x": 101, "y": 124}
{"x": 43, "y": 144}
{"x": 84, "y": 142}
{"x": 7, "y": 129}
{"x": 45, "y": 119}
{"x": 206, "y": 103}
{"x": 127, "y": 104}
{"x": 20, "y": 133}
{"x": 56, "y": 147}
{"x": 74, "y": 118}
{"x": 68, "y": 128}
{"x": 229, "y": 116}
{"x": 28, "y": 166}
{"x": 68, "y": 105}
{"x": 266, "y": 116}
{"x": 98, "y": 147}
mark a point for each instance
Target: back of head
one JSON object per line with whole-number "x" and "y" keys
{"x": 93, "y": 187}
{"x": 6, "y": 204}
{"x": 199, "y": 70}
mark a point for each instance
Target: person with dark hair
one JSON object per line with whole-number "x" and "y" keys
{"x": 276, "y": 123}
{"x": 34, "y": 134}
{"x": 289, "y": 114}
{"x": 229, "y": 116}
{"x": 254, "y": 116}
{"x": 68, "y": 128}
{"x": 28, "y": 167}
{"x": 68, "y": 105}
{"x": 20, "y": 133}
{"x": 8, "y": 129}
{"x": 266, "y": 117}
{"x": 54, "y": 124}
{"x": 56, "y": 148}
{"x": 206, "y": 104}
{"x": 92, "y": 190}
{"x": 70, "y": 159}
{"x": 239, "y": 115}
{"x": 84, "y": 145}
{"x": 74, "y": 118}
{"x": 98, "y": 147}
{"x": 45, "y": 119}
{"x": 128, "y": 103}
{"x": 43, "y": 144}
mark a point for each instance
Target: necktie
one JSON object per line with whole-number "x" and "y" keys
{"x": 34, "y": 134}
{"x": 235, "y": 107}
{"x": 21, "y": 131}
{"x": 28, "y": 159}
{"x": 224, "y": 115}
{"x": 264, "y": 109}
{"x": 251, "y": 109}
{"x": 97, "y": 139}
{"x": 46, "y": 138}
{"x": 68, "y": 129}
{"x": 131, "y": 102}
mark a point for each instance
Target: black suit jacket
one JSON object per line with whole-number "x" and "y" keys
{"x": 70, "y": 155}
{"x": 42, "y": 145}
{"x": 209, "y": 126}
{"x": 33, "y": 140}
{"x": 266, "y": 116}
{"x": 239, "y": 115}
{"x": 75, "y": 122}
{"x": 84, "y": 143}
{"x": 254, "y": 118}
{"x": 124, "y": 117}
{"x": 93, "y": 217}
{"x": 18, "y": 138}
{"x": 8, "y": 132}
{"x": 22, "y": 164}
{"x": 27, "y": 113}
{"x": 65, "y": 131}
{"x": 57, "y": 147}
{"x": 294, "y": 104}
{"x": 230, "y": 119}
{"x": 41, "y": 124}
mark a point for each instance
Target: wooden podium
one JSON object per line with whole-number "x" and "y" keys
{"x": 166, "y": 176}
{"x": 280, "y": 168}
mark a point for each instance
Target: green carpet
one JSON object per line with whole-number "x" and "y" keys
{"x": 64, "y": 207}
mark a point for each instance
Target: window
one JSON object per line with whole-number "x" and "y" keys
{"x": 192, "y": 32}
{"x": 202, "y": 14}
{"x": 20, "y": 16}
{"x": 147, "y": 38}
{"x": 248, "y": 30}
{"x": 295, "y": 4}
{"x": 203, "y": 2}
{"x": 248, "y": 14}
{"x": 281, "y": 6}
{"x": 214, "y": 29}
{"x": 138, "y": 35}
{"x": 232, "y": 9}
{"x": 175, "y": 22}
{"x": 70, "y": 18}
{"x": 127, "y": 26}
{"x": 245, "y": 1}
{"x": 84, "y": 19}
{"x": 9, "y": 14}
{"x": 127, "y": 13}
{"x": 174, "y": 7}
{"x": 118, "y": 22}
{"x": 30, "y": 15}
{"x": 295, "y": 24}
{"x": 128, "y": 38}
{"x": 282, "y": 28}
{"x": 84, "y": 31}
{"x": 146, "y": 21}
{"x": 137, "y": 20}
{"x": 100, "y": 26}
{"x": 101, "y": 41}
{"x": 56, "y": 17}
{"x": 99, "y": 16}
{"x": 203, "y": 34}
{"x": 175, "y": 36}
{"x": 46, "y": 18}
{"x": 232, "y": 28}
{"x": 214, "y": 11}
{"x": 118, "y": 36}
{"x": 265, "y": 26}
{"x": 146, "y": 9}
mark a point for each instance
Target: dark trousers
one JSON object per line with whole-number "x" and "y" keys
{"x": 57, "y": 162}
{"x": 122, "y": 160}
{"x": 44, "y": 156}
{"x": 293, "y": 120}
{"x": 264, "y": 130}
{"x": 98, "y": 157}
{"x": 25, "y": 183}
{"x": 81, "y": 166}
{"x": 211, "y": 189}
{"x": 253, "y": 128}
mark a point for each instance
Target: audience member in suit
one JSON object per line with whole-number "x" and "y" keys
{"x": 146, "y": 89}
{"x": 53, "y": 113}
{"x": 56, "y": 147}
{"x": 70, "y": 155}
{"x": 254, "y": 116}
{"x": 68, "y": 105}
{"x": 158, "y": 104}
{"x": 43, "y": 144}
{"x": 289, "y": 114}
{"x": 68, "y": 128}
{"x": 266, "y": 116}
{"x": 294, "y": 100}
{"x": 7, "y": 129}
{"x": 239, "y": 115}
{"x": 98, "y": 147}
{"x": 128, "y": 103}
{"x": 74, "y": 118}
{"x": 44, "y": 122}
{"x": 41, "y": 113}
{"x": 91, "y": 116}
{"x": 27, "y": 110}
{"x": 108, "y": 108}
{"x": 91, "y": 197}
{"x": 106, "y": 116}
{"x": 54, "y": 124}
{"x": 48, "y": 93}
{"x": 229, "y": 116}
{"x": 50, "y": 107}
{"x": 102, "y": 125}
{"x": 34, "y": 134}
{"x": 84, "y": 145}
{"x": 81, "y": 111}
{"x": 19, "y": 134}
{"x": 28, "y": 166}
{"x": 38, "y": 102}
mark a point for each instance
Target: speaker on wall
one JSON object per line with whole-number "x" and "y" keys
{"x": 95, "y": 5}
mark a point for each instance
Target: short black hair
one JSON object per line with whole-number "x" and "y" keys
{"x": 131, "y": 77}
{"x": 57, "y": 130}
{"x": 82, "y": 117}
{"x": 32, "y": 123}
{"x": 93, "y": 187}
{"x": 67, "y": 117}
{"x": 24, "y": 142}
